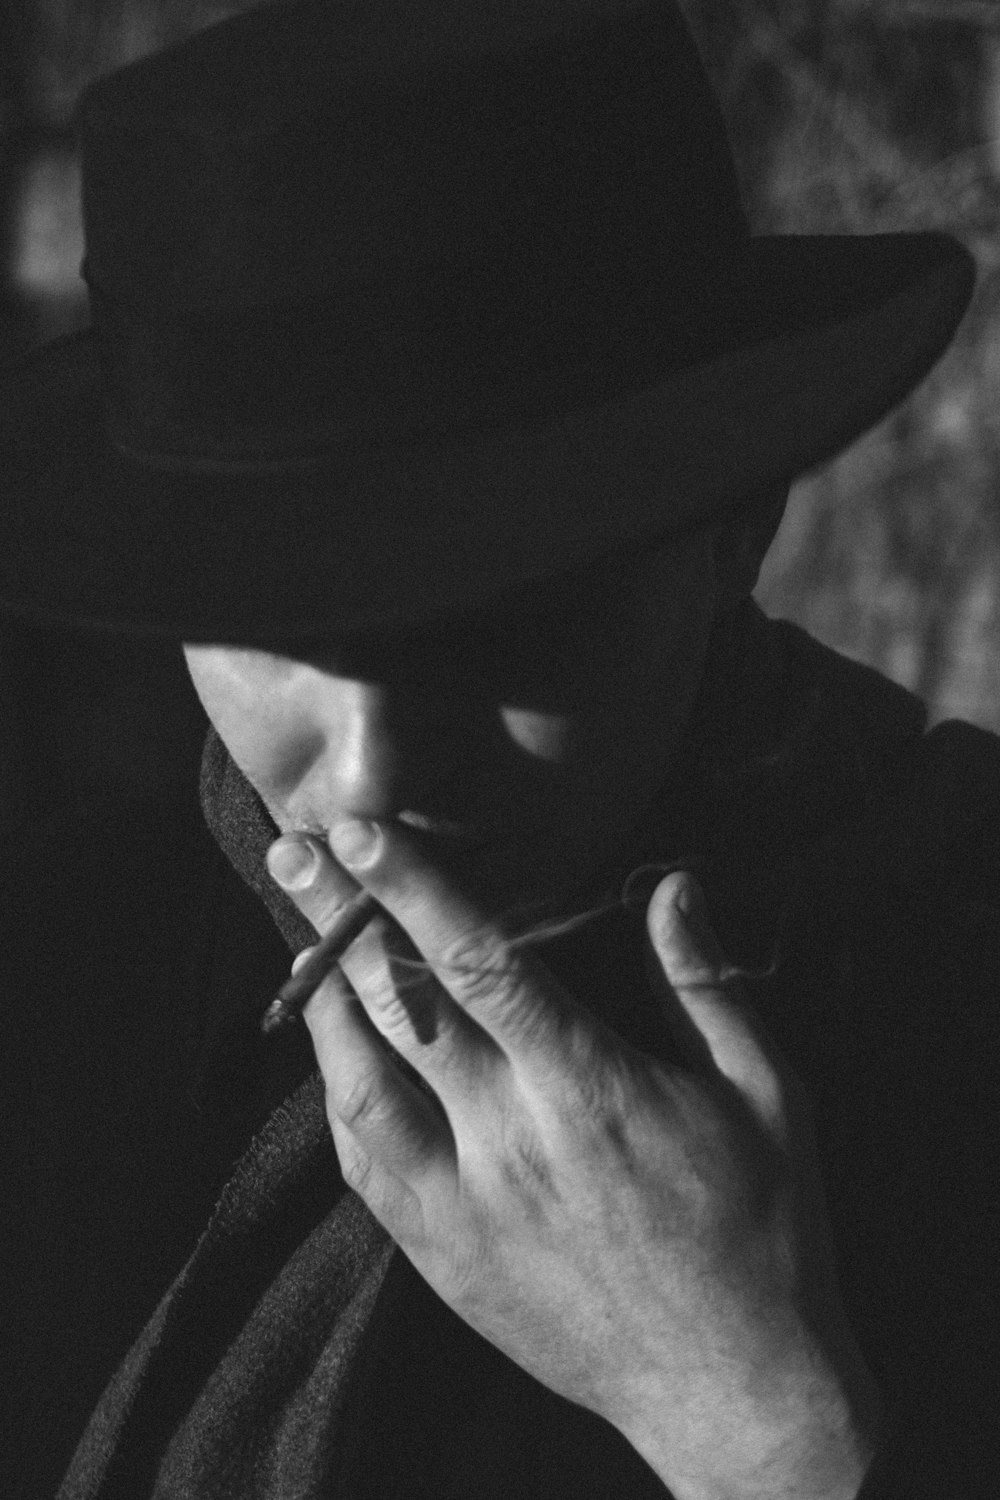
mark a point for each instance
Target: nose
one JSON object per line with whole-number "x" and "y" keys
{"x": 386, "y": 750}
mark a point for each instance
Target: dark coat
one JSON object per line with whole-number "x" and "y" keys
{"x": 864, "y": 861}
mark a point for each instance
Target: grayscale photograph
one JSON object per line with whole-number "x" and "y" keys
{"x": 500, "y": 749}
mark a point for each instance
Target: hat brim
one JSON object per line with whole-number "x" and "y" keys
{"x": 385, "y": 536}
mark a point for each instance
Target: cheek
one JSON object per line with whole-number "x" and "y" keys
{"x": 272, "y": 742}
{"x": 547, "y": 737}
{"x": 276, "y": 764}
{"x": 623, "y": 693}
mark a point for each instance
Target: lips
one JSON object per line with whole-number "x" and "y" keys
{"x": 451, "y": 838}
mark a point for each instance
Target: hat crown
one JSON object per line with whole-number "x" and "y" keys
{"x": 301, "y": 225}
{"x": 288, "y": 150}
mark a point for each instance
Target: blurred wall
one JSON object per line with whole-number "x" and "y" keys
{"x": 80, "y": 715}
{"x": 865, "y": 116}
{"x": 846, "y": 116}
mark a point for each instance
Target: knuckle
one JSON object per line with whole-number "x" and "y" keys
{"x": 488, "y": 977}
{"x": 362, "y": 1105}
{"x": 480, "y": 964}
{"x": 526, "y": 1170}
{"x": 326, "y": 907}
{"x": 356, "y": 1169}
{"x": 405, "y": 1011}
{"x": 389, "y": 1011}
{"x": 579, "y": 1083}
{"x": 695, "y": 972}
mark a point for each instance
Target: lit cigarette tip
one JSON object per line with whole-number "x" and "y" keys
{"x": 275, "y": 1017}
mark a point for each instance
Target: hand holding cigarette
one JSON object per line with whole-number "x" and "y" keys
{"x": 644, "y": 1239}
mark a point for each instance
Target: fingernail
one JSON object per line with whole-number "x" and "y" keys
{"x": 690, "y": 902}
{"x": 692, "y": 906}
{"x": 356, "y": 843}
{"x": 293, "y": 863}
{"x": 302, "y": 958}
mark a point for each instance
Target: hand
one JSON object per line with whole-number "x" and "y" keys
{"x": 647, "y": 1240}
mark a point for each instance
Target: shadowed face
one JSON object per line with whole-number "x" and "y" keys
{"x": 528, "y": 738}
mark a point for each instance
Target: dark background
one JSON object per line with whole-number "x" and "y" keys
{"x": 846, "y": 115}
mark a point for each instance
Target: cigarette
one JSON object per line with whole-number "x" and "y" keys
{"x": 301, "y": 987}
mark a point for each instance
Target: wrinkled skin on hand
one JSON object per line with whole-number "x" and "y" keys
{"x": 646, "y": 1239}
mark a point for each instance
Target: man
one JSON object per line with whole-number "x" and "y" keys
{"x": 439, "y": 402}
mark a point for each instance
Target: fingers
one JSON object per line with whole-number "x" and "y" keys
{"x": 705, "y": 1002}
{"x": 387, "y": 1116}
{"x": 375, "y": 1110}
{"x": 400, "y": 996}
{"x": 509, "y": 994}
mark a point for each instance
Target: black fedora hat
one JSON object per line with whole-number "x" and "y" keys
{"x": 397, "y": 303}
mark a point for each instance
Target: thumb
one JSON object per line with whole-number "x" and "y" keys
{"x": 705, "y": 1002}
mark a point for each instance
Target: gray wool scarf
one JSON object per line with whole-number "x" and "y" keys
{"x": 235, "y": 1384}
